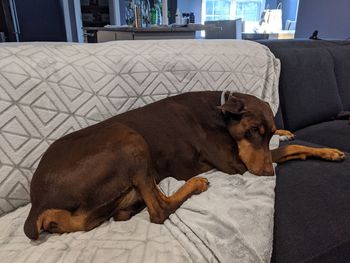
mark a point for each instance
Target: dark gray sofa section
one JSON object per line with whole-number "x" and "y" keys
{"x": 308, "y": 87}
{"x": 341, "y": 58}
{"x": 335, "y": 134}
{"x": 314, "y": 90}
{"x": 312, "y": 210}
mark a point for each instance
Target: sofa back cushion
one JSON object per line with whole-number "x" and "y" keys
{"x": 341, "y": 58}
{"x": 308, "y": 86}
{"x": 279, "y": 119}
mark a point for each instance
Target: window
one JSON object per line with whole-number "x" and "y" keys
{"x": 218, "y": 10}
{"x": 248, "y": 10}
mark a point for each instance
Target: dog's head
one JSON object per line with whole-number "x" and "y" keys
{"x": 250, "y": 122}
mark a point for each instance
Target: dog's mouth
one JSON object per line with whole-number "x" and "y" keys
{"x": 264, "y": 172}
{"x": 258, "y": 166}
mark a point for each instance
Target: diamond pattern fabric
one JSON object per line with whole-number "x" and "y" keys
{"x": 48, "y": 90}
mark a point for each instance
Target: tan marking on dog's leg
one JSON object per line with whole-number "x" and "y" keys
{"x": 195, "y": 185}
{"x": 290, "y": 152}
{"x": 61, "y": 221}
{"x": 160, "y": 206}
{"x": 286, "y": 133}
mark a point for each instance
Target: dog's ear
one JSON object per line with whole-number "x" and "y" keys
{"x": 233, "y": 105}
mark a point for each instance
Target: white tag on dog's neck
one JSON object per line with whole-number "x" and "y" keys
{"x": 223, "y": 96}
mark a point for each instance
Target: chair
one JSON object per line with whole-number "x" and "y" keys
{"x": 224, "y": 29}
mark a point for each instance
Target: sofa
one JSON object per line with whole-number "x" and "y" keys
{"x": 311, "y": 217}
{"x": 312, "y": 197}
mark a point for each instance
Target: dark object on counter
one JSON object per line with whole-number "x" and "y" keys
{"x": 185, "y": 18}
{"x": 192, "y": 19}
{"x": 314, "y": 35}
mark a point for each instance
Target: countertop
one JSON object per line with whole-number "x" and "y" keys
{"x": 190, "y": 27}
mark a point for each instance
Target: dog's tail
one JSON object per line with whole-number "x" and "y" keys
{"x": 33, "y": 224}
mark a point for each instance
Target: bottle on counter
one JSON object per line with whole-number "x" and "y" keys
{"x": 177, "y": 17}
{"x": 138, "y": 17}
{"x": 158, "y": 9}
{"x": 192, "y": 20}
{"x": 153, "y": 14}
{"x": 185, "y": 18}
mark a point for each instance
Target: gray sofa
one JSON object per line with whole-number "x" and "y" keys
{"x": 312, "y": 197}
{"x": 312, "y": 207}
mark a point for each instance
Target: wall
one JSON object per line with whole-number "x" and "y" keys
{"x": 330, "y": 19}
{"x": 289, "y": 8}
{"x": 271, "y": 4}
{"x": 41, "y": 20}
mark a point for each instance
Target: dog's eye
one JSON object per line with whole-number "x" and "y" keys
{"x": 255, "y": 129}
{"x": 248, "y": 134}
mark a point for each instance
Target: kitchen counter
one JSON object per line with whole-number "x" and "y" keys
{"x": 112, "y": 33}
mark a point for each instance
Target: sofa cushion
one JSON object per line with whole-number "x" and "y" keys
{"x": 334, "y": 134}
{"x": 340, "y": 254}
{"x": 312, "y": 210}
{"x": 341, "y": 57}
{"x": 308, "y": 87}
{"x": 298, "y": 43}
{"x": 279, "y": 119}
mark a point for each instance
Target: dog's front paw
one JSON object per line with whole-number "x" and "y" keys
{"x": 200, "y": 184}
{"x": 332, "y": 154}
{"x": 285, "y": 135}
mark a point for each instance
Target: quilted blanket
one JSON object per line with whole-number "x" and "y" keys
{"x": 231, "y": 222}
{"x": 50, "y": 89}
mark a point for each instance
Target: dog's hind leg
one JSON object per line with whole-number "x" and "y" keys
{"x": 61, "y": 221}
{"x": 161, "y": 206}
{"x": 290, "y": 152}
{"x": 143, "y": 180}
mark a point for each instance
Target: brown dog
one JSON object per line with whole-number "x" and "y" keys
{"x": 111, "y": 169}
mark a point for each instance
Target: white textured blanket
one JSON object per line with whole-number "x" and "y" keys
{"x": 50, "y": 89}
{"x": 231, "y": 222}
